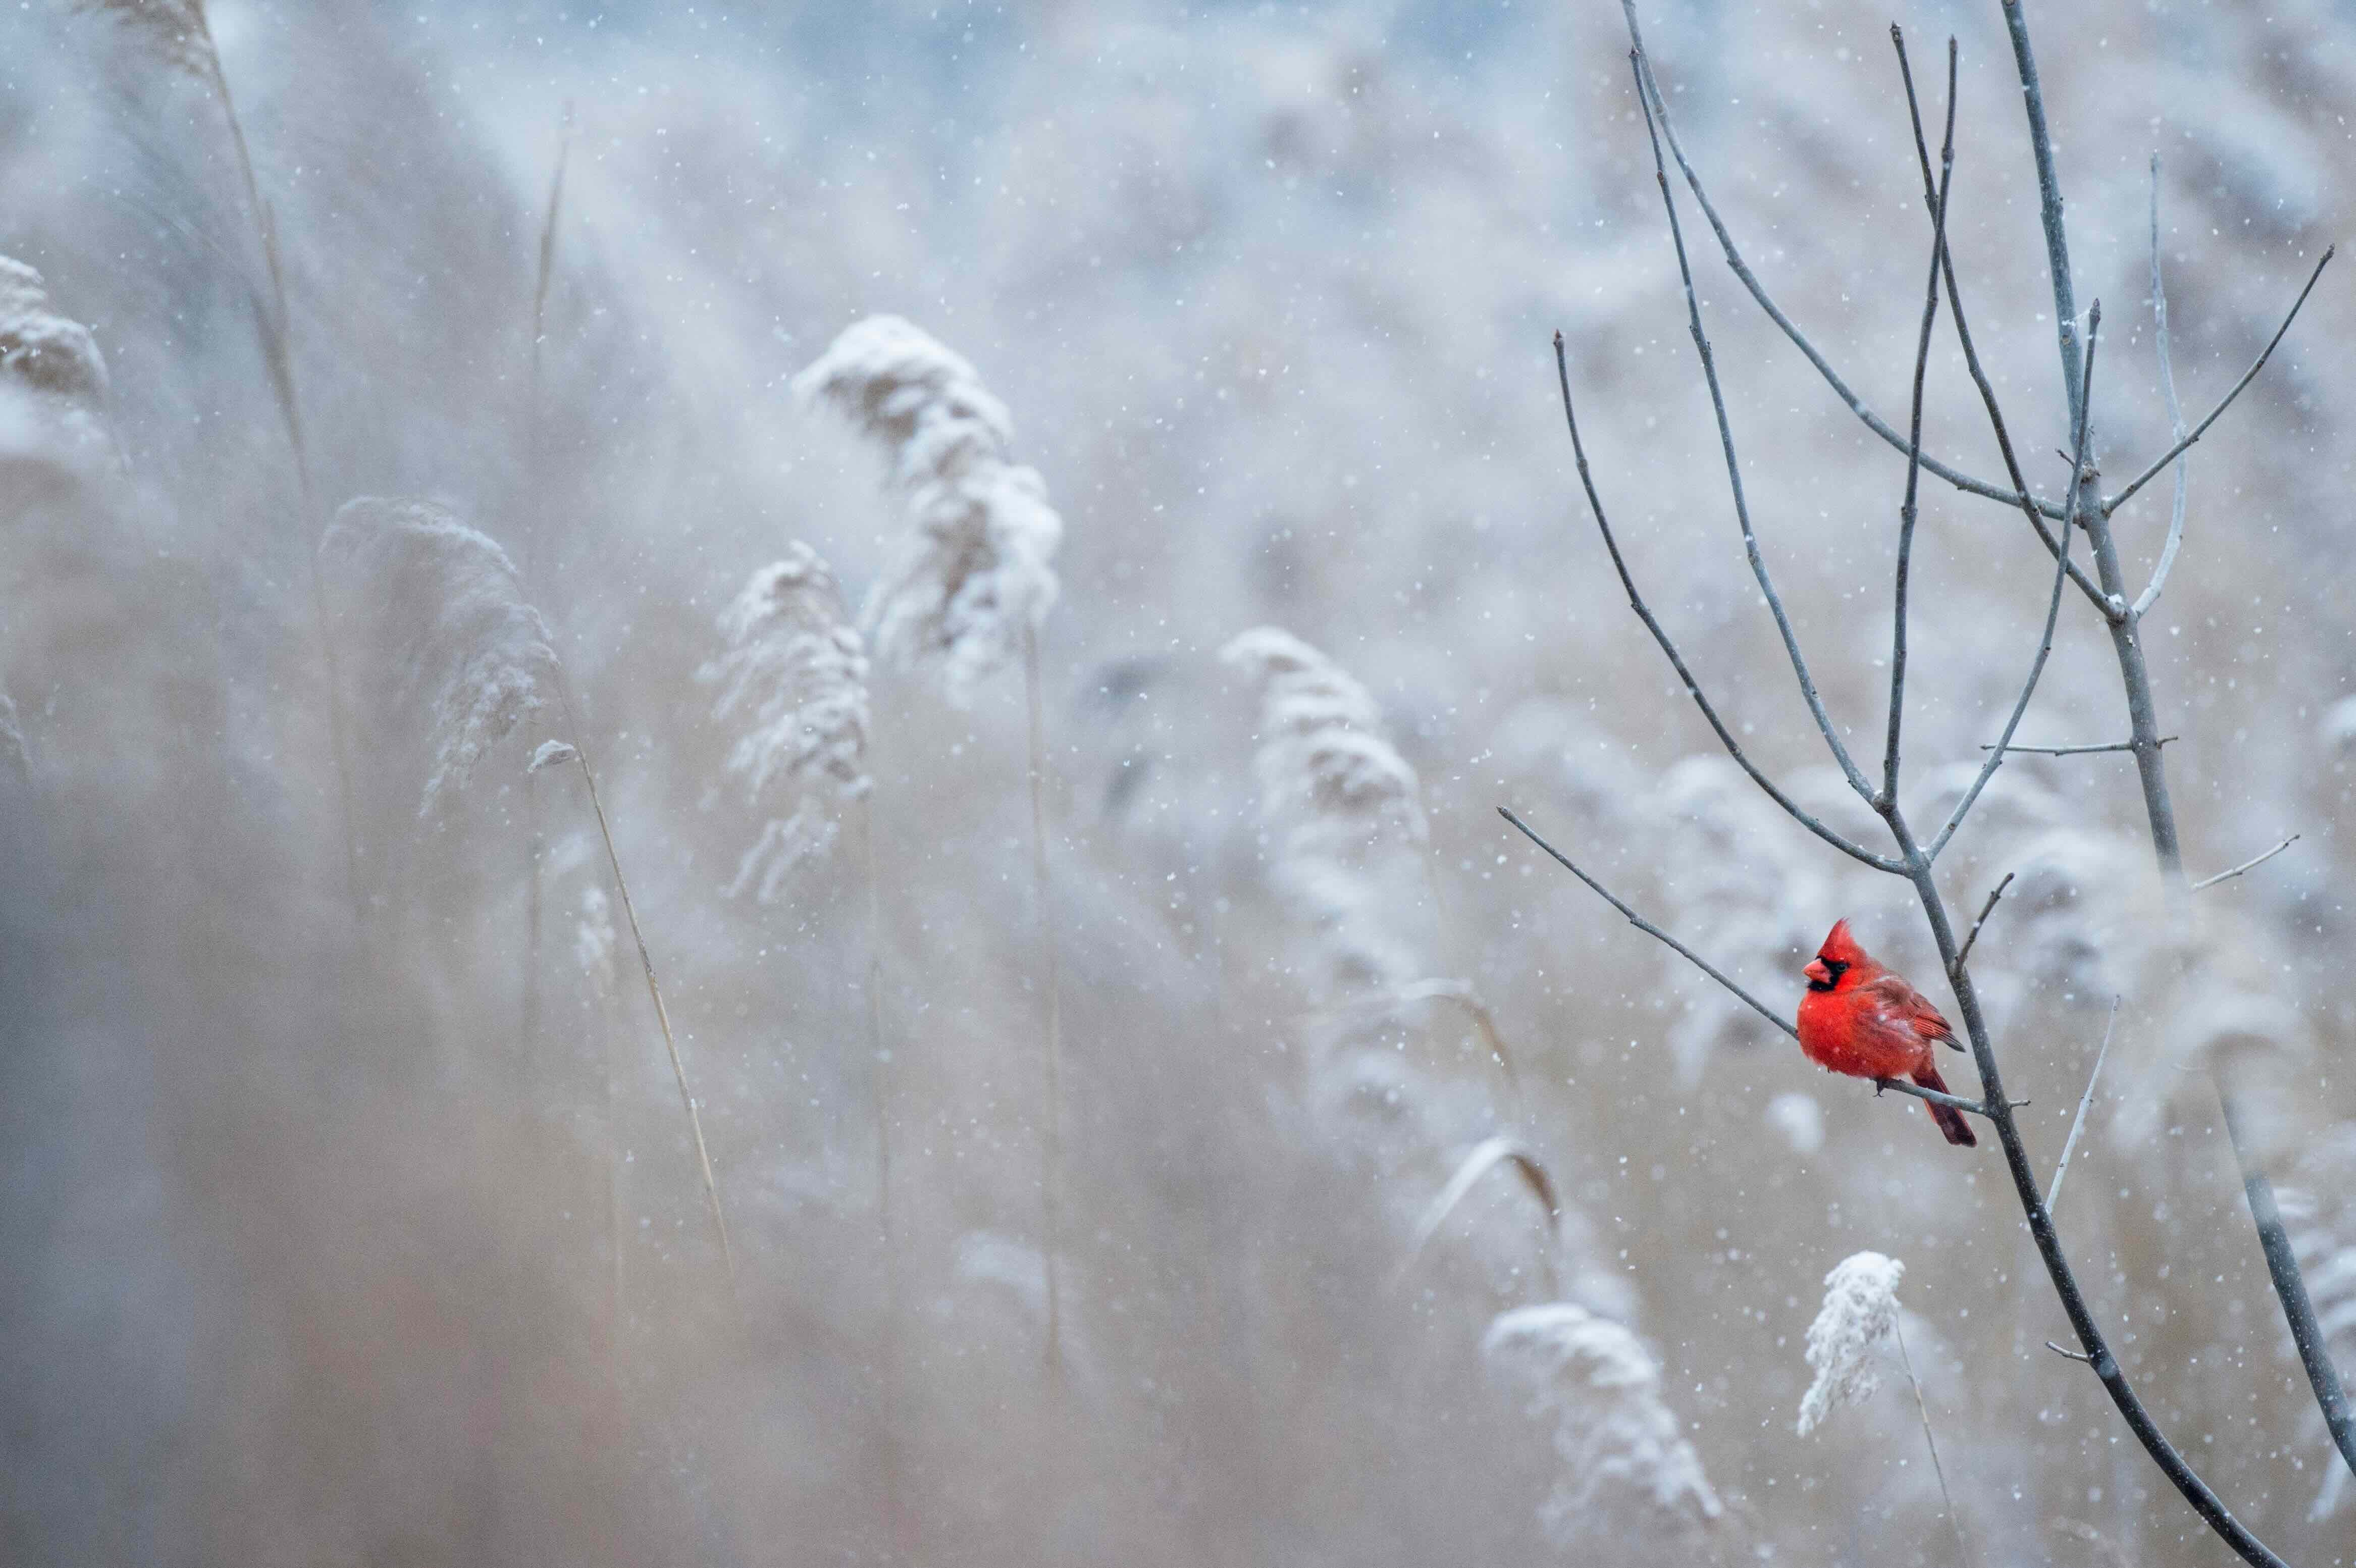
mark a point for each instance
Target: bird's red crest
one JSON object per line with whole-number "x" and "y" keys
{"x": 1839, "y": 946}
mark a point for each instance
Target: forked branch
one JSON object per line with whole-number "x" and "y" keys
{"x": 1899, "y": 1085}
{"x": 1749, "y": 280}
{"x": 1669, "y": 644}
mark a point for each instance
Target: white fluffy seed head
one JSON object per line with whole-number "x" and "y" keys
{"x": 795, "y": 675}
{"x": 447, "y": 641}
{"x": 1625, "y": 1462}
{"x": 1860, "y": 1311}
{"x": 977, "y": 572}
{"x": 53, "y": 392}
{"x": 1346, "y": 808}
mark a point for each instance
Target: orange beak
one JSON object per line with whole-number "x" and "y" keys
{"x": 1818, "y": 971}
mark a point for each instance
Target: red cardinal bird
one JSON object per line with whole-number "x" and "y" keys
{"x": 1860, "y": 1019}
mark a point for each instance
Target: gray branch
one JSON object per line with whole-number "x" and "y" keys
{"x": 2226, "y": 401}
{"x": 2150, "y": 595}
{"x": 2228, "y": 875}
{"x": 1766, "y": 302}
{"x": 1726, "y": 442}
{"x": 1668, "y": 645}
{"x": 2074, "y": 750}
{"x": 1906, "y": 509}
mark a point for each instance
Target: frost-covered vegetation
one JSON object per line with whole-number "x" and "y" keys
{"x": 1401, "y": 1203}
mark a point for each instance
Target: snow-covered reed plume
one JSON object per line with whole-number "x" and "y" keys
{"x": 978, "y": 573}
{"x": 1625, "y": 1464}
{"x": 53, "y": 392}
{"x": 1344, "y": 809}
{"x": 443, "y": 621}
{"x": 2320, "y": 1209}
{"x": 795, "y": 673}
{"x": 1860, "y": 1311}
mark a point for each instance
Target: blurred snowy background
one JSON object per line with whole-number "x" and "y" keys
{"x": 327, "y": 1244}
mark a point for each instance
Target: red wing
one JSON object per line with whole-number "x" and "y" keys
{"x": 1902, "y": 1004}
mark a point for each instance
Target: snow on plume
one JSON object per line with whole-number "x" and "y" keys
{"x": 796, "y": 674}
{"x": 1624, "y": 1460}
{"x": 453, "y": 647}
{"x": 53, "y": 390}
{"x": 978, "y": 571}
{"x": 1344, "y": 805}
{"x": 1860, "y": 1311}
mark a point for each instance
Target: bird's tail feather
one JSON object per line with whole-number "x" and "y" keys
{"x": 1950, "y": 1120}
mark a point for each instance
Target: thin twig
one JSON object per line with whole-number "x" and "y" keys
{"x": 2070, "y": 1145}
{"x": 2078, "y": 1355}
{"x": 1668, "y": 645}
{"x": 2226, "y": 402}
{"x": 2254, "y": 860}
{"x": 1733, "y": 465}
{"x": 1986, "y": 910}
{"x": 2052, "y": 608}
{"x": 1935, "y": 1096}
{"x": 2299, "y": 1308}
{"x": 2036, "y": 512}
{"x": 2074, "y": 750}
{"x": 2150, "y": 595}
{"x": 1963, "y": 1554}
{"x": 1766, "y": 302}
{"x": 1650, "y": 930}
{"x": 1907, "y": 510}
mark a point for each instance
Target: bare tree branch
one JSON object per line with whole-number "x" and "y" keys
{"x": 2070, "y": 1145}
{"x": 2236, "y": 871}
{"x": 2052, "y": 613}
{"x": 1733, "y": 464}
{"x": 2150, "y": 595}
{"x": 1986, "y": 910}
{"x": 2074, "y": 750}
{"x": 2226, "y": 401}
{"x": 2282, "y": 1265}
{"x": 1901, "y": 1086}
{"x": 1906, "y": 509}
{"x": 2037, "y": 513}
{"x": 1650, "y": 930}
{"x": 2145, "y": 726}
{"x": 1936, "y": 1097}
{"x": 1766, "y": 302}
{"x": 1669, "y": 647}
